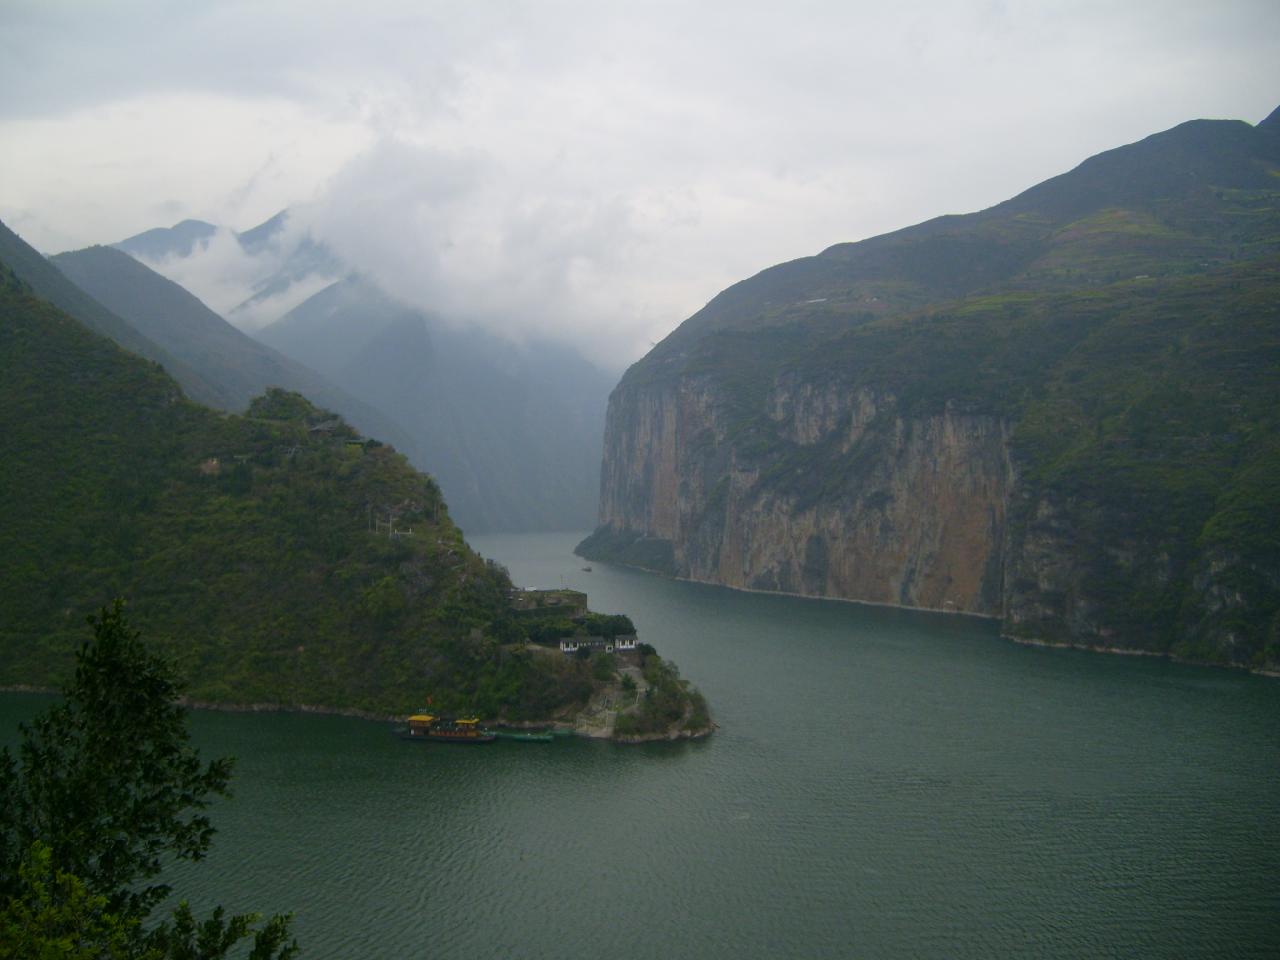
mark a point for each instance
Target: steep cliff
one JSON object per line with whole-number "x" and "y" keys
{"x": 839, "y": 513}
{"x": 1060, "y": 411}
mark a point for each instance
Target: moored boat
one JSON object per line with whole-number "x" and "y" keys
{"x": 530, "y": 736}
{"x": 425, "y": 726}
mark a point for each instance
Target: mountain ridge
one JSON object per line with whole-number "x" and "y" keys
{"x": 177, "y": 240}
{"x": 944, "y": 257}
{"x": 193, "y": 334}
{"x": 510, "y": 429}
{"x": 48, "y": 282}
{"x": 927, "y": 418}
{"x": 244, "y": 544}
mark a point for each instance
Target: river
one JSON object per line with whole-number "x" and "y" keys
{"x": 884, "y": 784}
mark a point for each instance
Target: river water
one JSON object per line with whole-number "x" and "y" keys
{"x": 884, "y": 784}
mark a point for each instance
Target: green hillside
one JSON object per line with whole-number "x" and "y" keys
{"x": 1181, "y": 201}
{"x": 243, "y": 544}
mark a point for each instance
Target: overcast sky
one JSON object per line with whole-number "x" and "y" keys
{"x": 592, "y": 168}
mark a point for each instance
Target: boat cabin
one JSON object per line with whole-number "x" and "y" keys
{"x": 427, "y": 726}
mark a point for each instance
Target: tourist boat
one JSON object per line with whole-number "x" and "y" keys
{"x": 424, "y": 726}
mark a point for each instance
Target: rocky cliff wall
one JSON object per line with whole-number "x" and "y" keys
{"x": 841, "y": 495}
{"x": 825, "y": 490}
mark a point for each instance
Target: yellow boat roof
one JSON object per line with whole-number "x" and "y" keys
{"x": 421, "y": 718}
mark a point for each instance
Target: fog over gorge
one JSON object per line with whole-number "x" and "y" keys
{"x": 433, "y": 232}
{"x": 226, "y": 276}
{"x": 596, "y": 172}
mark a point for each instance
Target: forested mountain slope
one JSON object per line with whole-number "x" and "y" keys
{"x": 246, "y": 546}
{"x": 1062, "y": 411}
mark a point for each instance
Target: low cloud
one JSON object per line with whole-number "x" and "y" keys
{"x": 466, "y": 238}
{"x": 256, "y": 313}
{"x": 591, "y": 171}
{"x": 217, "y": 270}
{"x": 245, "y": 286}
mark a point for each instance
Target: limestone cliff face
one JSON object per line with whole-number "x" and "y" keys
{"x": 848, "y": 498}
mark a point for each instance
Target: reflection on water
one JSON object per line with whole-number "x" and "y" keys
{"x": 884, "y": 784}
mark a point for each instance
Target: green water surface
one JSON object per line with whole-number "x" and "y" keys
{"x": 884, "y": 784}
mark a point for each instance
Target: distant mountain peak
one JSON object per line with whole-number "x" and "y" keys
{"x": 1272, "y": 123}
{"x": 191, "y": 225}
{"x": 255, "y": 238}
{"x": 160, "y": 242}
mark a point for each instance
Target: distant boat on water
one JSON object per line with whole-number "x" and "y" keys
{"x": 424, "y": 726}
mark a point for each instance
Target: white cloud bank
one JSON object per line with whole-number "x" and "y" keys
{"x": 591, "y": 169}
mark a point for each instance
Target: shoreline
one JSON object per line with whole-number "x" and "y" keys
{"x": 668, "y": 737}
{"x": 1024, "y": 641}
{"x": 799, "y": 596}
{"x": 1100, "y": 648}
{"x": 811, "y": 596}
{"x": 375, "y": 717}
{"x": 1130, "y": 652}
{"x": 372, "y": 716}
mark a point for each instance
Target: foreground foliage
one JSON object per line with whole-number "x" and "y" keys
{"x": 107, "y": 786}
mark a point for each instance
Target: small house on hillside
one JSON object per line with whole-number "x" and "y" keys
{"x": 571, "y": 645}
{"x": 594, "y": 644}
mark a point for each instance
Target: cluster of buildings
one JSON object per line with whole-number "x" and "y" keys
{"x": 568, "y": 605}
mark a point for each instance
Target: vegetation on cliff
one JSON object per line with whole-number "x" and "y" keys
{"x": 1118, "y": 324}
{"x": 669, "y": 706}
{"x": 629, "y": 694}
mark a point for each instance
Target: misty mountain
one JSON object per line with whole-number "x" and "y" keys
{"x": 511, "y": 432}
{"x": 192, "y": 334}
{"x": 160, "y": 242}
{"x": 49, "y": 283}
{"x": 308, "y": 258}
